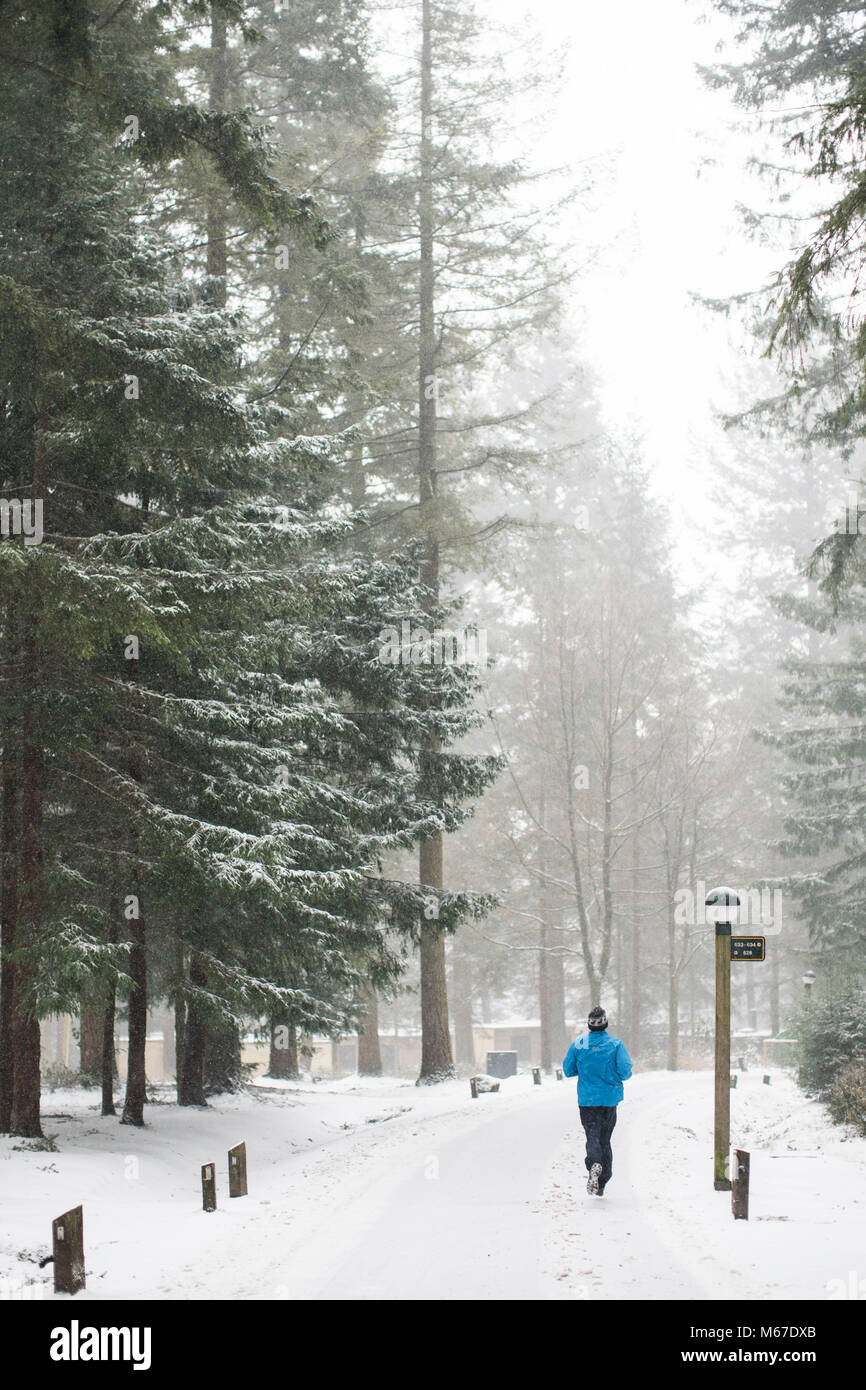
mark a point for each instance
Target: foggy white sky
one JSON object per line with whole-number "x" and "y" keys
{"x": 661, "y": 226}
{"x": 667, "y": 221}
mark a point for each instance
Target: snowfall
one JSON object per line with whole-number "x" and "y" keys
{"x": 378, "y": 1189}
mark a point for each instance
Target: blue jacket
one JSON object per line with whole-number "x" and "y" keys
{"x": 601, "y": 1064}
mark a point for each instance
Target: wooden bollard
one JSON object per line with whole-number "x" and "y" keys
{"x": 473, "y": 1086}
{"x": 766, "y": 1080}
{"x": 208, "y": 1187}
{"x": 740, "y": 1186}
{"x": 68, "y": 1240}
{"x": 733, "y": 1080}
{"x": 559, "y": 1073}
{"x": 238, "y": 1171}
{"x": 536, "y": 1076}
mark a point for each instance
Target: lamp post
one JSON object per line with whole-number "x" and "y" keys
{"x": 722, "y": 904}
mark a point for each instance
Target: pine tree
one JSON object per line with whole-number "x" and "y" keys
{"x": 200, "y": 733}
{"x": 821, "y": 736}
{"x": 481, "y": 280}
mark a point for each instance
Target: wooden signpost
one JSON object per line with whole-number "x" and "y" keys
{"x": 724, "y": 903}
{"x": 208, "y": 1187}
{"x": 238, "y": 1171}
{"x": 740, "y": 1188}
{"x": 68, "y": 1241}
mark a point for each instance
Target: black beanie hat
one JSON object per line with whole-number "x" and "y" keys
{"x": 597, "y": 1020}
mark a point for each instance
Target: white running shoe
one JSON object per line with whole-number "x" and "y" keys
{"x": 592, "y": 1180}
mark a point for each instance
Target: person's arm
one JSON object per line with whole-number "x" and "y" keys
{"x": 569, "y": 1062}
{"x": 623, "y": 1062}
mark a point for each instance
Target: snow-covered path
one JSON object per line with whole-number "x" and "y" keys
{"x": 662, "y": 1232}
{"x": 488, "y": 1202}
{"x": 485, "y": 1213}
{"x": 614, "y": 1247}
{"x": 461, "y": 1223}
{"x": 381, "y": 1190}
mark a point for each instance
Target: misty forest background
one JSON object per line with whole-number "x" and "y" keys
{"x": 291, "y": 357}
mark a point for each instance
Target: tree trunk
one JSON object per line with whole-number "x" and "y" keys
{"x": 634, "y": 973}
{"x": 544, "y": 944}
{"x": 136, "y": 1078}
{"x": 559, "y": 1039}
{"x": 283, "y": 1062}
{"x": 436, "y": 1059}
{"x": 544, "y": 999}
{"x": 90, "y": 1025}
{"x": 109, "y": 1056}
{"x": 634, "y": 914}
{"x": 775, "y": 1005}
{"x": 169, "y": 1054}
{"x": 369, "y": 1052}
{"x": 461, "y": 1006}
{"x": 673, "y": 1021}
{"x": 179, "y": 1015}
{"x": 109, "y": 1063}
{"x": 215, "y": 1060}
{"x": 9, "y": 880}
{"x": 190, "y": 1089}
{"x": 26, "y": 1042}
{"x": 24, "y": 1036}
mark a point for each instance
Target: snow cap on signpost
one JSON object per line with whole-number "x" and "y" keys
{"x": 722, "y": 904}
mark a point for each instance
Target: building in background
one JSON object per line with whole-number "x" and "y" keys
{"x": 401, "y": 1053}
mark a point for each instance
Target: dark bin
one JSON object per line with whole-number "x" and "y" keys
{"x": 502, "y": 1064}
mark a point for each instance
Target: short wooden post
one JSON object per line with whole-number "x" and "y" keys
{"x": 559, "y": 1073}
{"x": 68, "y": 1240}
{"x": 536, "y": 1076}
{"x": 766, "y": 1080}
{"x": 238, "y": 1171}
{"x": 733, "y": 1080}
{"x": 208, "y": 1187}
{"x": 740, "y": 1186}
{"x": 473, "y": 1086}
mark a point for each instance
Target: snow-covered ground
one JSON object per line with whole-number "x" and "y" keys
{"x": 378, "y": 1189}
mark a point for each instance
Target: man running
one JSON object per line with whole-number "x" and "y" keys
{"x": 601, "y": 1064}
